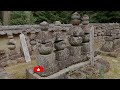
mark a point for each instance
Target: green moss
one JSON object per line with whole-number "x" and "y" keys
{"x": 19, "y": 71}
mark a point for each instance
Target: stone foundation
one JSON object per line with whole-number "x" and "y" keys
{"x": 59, "y": 75}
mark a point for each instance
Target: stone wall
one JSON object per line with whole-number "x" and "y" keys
{"x": 101, "y": 29}
{"x": 100, "y": 32}
{"x": 105, "y": 31}
{"x": 110, "y": 33}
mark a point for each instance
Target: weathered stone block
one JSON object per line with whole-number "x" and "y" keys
{"x": 4, "y": 64}
{"x": 59, "y": 75}
{"x": 108, "y": 32}
{"x": 90, "y": 72}
{"x": 78, "y": 59}
{"x": 60, "y": 45}
{"x": 97, "y": 53}
{"x": 20, "y": 60}
{"x": 102, "y": 65}
{"x": 64, "y": 64}
{"x": 44, "y": 37}
{"x": 75, "y": 41}
{"x": 75, "y": 51}
{"x": 76, "y": 31}
{"x": 62, "y": 55}
{"x": 85, "y": 47}
{"x": 102, "y": 33}
{"x": 99, "y": 34}
{"x": 113, "y": 54}
{"x": 95, "y": 35}
{"x": 77, "y": 74}
{"x": 32, "y": 42}
{"x": 108, "y": 38}
{"x": 45, "y": 49}
{"x": 86, "y": 29}
{"x": 75, "y": 22}
{"x": 108, "y": 46}
{"x": 118, "y": 36}
{"x": 115, "y": 31}
{"x": 49, "y": 64}
{"x": 11, "y": 47}
{"x": 114, "y": 36}
{"x": 86, "y": 38}
{"x": 116, "y": 42}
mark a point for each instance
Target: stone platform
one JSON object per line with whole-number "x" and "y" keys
{"x": 59, "y": 75}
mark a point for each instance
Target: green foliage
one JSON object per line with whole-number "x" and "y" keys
{"x": 51, "y": 16}
{"x": 35, "y": 17}
{"x": 20, "y": 18}
{"x": 29, "y": 18}
{"x": 106, "y": 16}
{"x": 17, "y": 18}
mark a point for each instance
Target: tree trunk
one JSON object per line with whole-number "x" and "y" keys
{"x": 6, "y": 17}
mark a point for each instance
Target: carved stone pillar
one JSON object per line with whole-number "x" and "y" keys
{"x": 75, "y": 39}
{"x": 45, "y": 55}
{"x": 108, "y": 45}
{"x": 28, "y": 43}
{"x": 11, "y": 46}
{"x": 61, "y": 52}
{"x": 33, "y": 41}
{"x": 86, "y": 38}
{"x": 116, "y": 36}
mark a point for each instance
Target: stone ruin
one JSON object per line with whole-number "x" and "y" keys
{"x": 112, "y": 40}
{"x": 59, "y": 48}
{"x": 10, "y": 56}
{"x": 61, "y": 51}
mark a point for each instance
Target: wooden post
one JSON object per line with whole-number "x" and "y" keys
{"x": 6, "y": 17}
{"x": 92, "y": 46}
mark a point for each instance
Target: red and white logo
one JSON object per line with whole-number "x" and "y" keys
{"x": 38, "y": 69}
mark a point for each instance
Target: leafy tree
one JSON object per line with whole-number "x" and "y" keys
{"x": 19, "y": 17}
{"x": 51, "y": 16}
{"x": 106, "y": 16}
